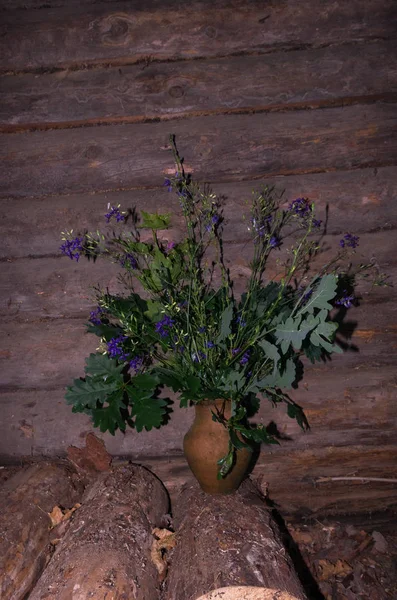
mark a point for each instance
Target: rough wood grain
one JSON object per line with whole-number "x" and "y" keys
{"x": 363, "y": 199}
{"x": 117, "y": 33}
{"x": 106, "y": 554}
{"x": 237, "y": 147}
{"x": 344, "y": 404}
{"x": 227, "y": 541}
{"x": 26, "y": 499}
{"x": 317, "y": 77}
{"x": 56, "y": 287}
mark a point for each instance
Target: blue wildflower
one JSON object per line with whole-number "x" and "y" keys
{"x": 168, "y": 184}
{"x": 316, "y": 223}
{"x": 199, "y": 356}
{"x": 129, "y": 261}
{"x": 202, "y": 329}
{"x": 235, "y": 351}
{"x": 115, "y": 348}
{"x": 163, "y": 326}
{"x": 136, "y": 363}
{"x": 300, "y": 207}
{"x": 241, "y": 321}
{"x": 72, "y": 248}
{"x": 274, "y": 242}
{"x": 95, "y": 316}
{"x": 114, "y": 211}
{"x": 346, "y": 300}
{"x": 349, "y": 240}
{"x": 245, "y": 358}
{"x": 210, "y": 344}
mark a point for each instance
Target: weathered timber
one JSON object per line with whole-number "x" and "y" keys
{"x": 344, "y": 405}
{"x": 106, "y": 552}
{"x": 227, "y": 541}
{"x": 317, "y": 77}
{"x": 363, "y": 200}
{"x": 251, "y": 147}
{"x": 292, "y": 474}
{"x": 118, "y": 33}
{"x": 58, "y": 287}
{"x": 26, "y": 501}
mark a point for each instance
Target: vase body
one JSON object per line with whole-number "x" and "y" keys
{"x": 206, "y": 442}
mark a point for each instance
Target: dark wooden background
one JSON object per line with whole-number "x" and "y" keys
{"x": 298, "y": 94}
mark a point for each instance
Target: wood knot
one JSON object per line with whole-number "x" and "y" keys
{"x": 115, "y": 29}
{"x": 176, "y": 91}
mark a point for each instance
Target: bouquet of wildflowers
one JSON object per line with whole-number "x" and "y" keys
{"x": 189, "y": 331}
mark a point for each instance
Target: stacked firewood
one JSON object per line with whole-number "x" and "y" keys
{"x": 70, "y": 530}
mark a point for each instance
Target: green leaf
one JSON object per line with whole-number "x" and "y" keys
{"x": 154, "y": 220}
{"x": 325, "y": 291}
{"x": 258, "y": 435}
{"x": 109, "y": 418}
{"x": 288, "y": 333}
{"x": 104, "y": 331}
{"x": 226, "y": 462}
{"x": 270, "y": 351}
{"x": 232, "y": 382}
{"x": 86, "y": 393}
{"x": 102, "y": 366}
{"x": 153, "y": 311}
{"x": 149, "y": 412}
{"x": 235, "y": 440}
{"x": 225, "y": 326}
{"x": 295, "y": 412}
{"x": 287, "y": 377}
{"x": 324, "y": 333}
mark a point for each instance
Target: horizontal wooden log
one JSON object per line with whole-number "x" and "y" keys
{"x": 363, "y": 200}
{"x": 51, "y": 352}
{"x": 118, "y": 33}
{"x": 26, "y": 501}
{"x": 251, "y": 147}
{"x": 291, "y": 475}
{"x": 58, "y": 287}
{"x": 344, "y": 405}
{"x": 107, "y": 552}
{"x": 318, "y": 77}
{"x": 227, "y": 541}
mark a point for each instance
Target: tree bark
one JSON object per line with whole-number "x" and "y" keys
{"x": 106, "y": 553}
{"x": 26, "y": 501}
{"x": 224, "y": 541}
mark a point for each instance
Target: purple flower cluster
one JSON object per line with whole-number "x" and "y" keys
{"x": 300, "y": 207}
{"x": 210, "y": 344}
{"x": 245, "y": 358}
{"x": 212, "y": 222}
{"x": 129, "y": 261}
{"x": 136, "y": 363}
{"x": 349, "y": 241}
{"x": 241, "y": 321}
{"x": 163, "y": 326}
{"x": 199, "y": 356}
{"x": 115, "y": 348}
{"x": 95, "y": 316}
{"x": 274, "y": 242}
{"x": 72, "y": 248}
{"x": 346, "y": 300}
{"x": 114, "y": 211}
{"x": 168, "y": 184}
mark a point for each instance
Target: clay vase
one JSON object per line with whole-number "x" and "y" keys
{"x": 206, "y": 442}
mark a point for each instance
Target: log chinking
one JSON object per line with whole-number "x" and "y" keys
{"x": 25, "y": 500}
{"x": 224, "y": 541}
{"x": 106, "y": 552}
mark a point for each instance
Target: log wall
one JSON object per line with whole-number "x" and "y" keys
{"x": 298, "y": 94}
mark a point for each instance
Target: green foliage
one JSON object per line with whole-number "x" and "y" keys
{"x": 197, "y": 338}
